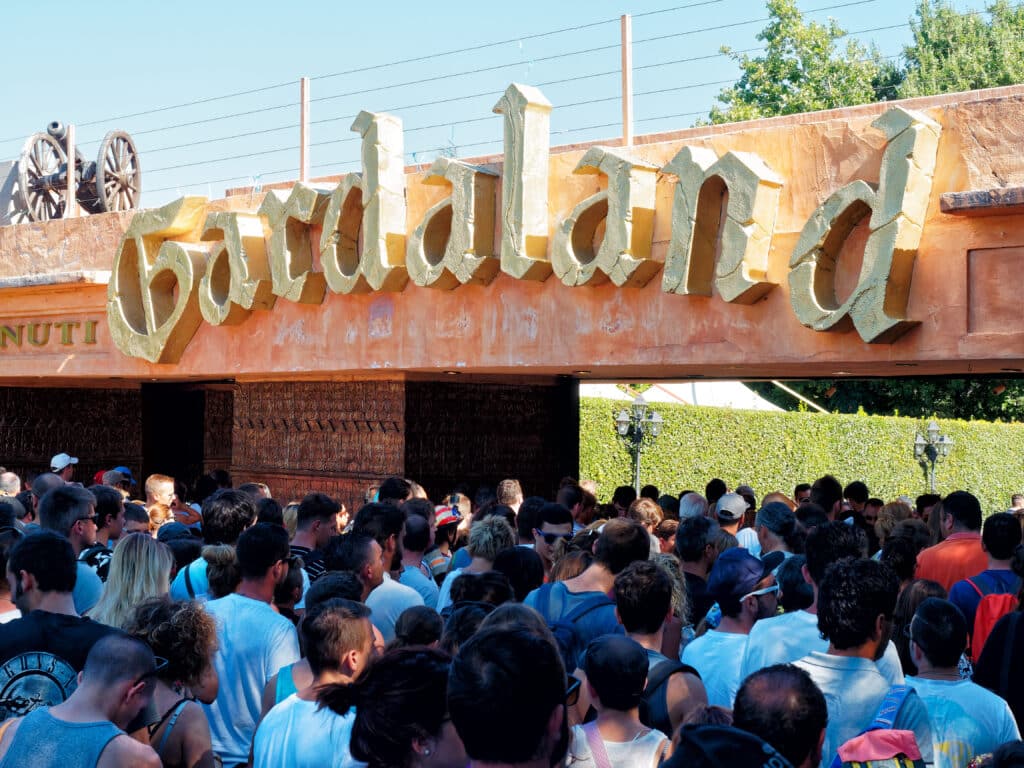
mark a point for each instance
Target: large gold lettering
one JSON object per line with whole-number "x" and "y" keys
{"x": 877, "y": 305}
{"x": 152, "y": 303}
{"x": 750, "y": 193}
{"x": 375, "y": 203}
{"x": 237, "y": 278}
{"x": 627, "y": 209}
{"x": 290, "y": 249}
{"x": 453, "y": 244}
{"x": 524, "y": 182}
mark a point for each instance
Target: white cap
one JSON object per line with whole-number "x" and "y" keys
{"x": 61, "y": 461}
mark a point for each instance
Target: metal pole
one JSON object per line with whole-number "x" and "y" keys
{"x": 304, "y": 129}
{"x": 636, "y": 467}
{"x": 627, "y": 80}
{"x": 71, "y": 210}
{"x": 931, "y": 476}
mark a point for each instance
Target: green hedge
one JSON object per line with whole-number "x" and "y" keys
{"x": 774, "y": 451}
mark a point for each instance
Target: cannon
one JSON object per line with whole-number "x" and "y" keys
{"x": 112, "y": 183}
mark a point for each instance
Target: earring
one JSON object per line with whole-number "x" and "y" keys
{"x": 426, "y": 752}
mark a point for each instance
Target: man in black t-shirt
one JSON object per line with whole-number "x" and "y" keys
{"x": 697, "y": 553}
{"x": 109, "y": 526}
{"x": 316, "y": 522}
{"x": 42, "y": 653}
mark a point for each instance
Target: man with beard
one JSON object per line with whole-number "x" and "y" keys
{"x": 386, "y": 524}
{"x": 856, "y": 601}
{"x": 746, "y": 591}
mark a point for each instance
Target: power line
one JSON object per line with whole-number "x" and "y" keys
{"x": 384, "y": 65}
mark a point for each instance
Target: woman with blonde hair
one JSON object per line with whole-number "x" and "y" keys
{"x": 889, "y": 516}
{"x": 140, "y": 568}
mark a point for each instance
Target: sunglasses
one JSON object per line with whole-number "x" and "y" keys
{"x": 93, "y": 518}
{"x": 572, "y": 691}
{"x": 161, "y": 665}
{"x": 759, "y": 592}
{"x": 551, "y": 538}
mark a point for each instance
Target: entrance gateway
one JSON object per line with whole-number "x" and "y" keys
{"x": 433, "y": 321}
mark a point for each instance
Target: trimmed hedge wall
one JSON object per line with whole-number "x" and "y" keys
{"x": 775, "y": 451}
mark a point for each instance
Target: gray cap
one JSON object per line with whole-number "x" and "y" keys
{"x": 777, "y": 518}
{"x": 731, "y": 507}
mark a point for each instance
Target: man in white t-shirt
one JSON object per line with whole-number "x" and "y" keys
{"x": 254, "y": 641}
{"x": 856, "y": 601}
{"x": 297, "y": 732}
{"x": 386, "y": 524}
{"x": 791, "y": 636}
{"x": 746, "y": 592}
{"x": 967, "y": 720}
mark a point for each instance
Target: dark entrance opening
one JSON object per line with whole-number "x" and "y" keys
{"x": 172, "y": 431}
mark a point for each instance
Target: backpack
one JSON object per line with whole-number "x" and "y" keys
{"x": 654, "y": 702}
{"x": 993, "y": 606}
{"x": 880, "y": 745}
{"x": 571, "y": 643}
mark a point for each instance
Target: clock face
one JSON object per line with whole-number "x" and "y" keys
{"x": 32, "y": 680}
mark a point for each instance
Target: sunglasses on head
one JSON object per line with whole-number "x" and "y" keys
{"x": 551, "y": 538}
{"x": 161, "y": 665}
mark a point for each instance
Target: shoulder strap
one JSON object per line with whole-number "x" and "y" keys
{"x": 174, "y": 713}
{"x": 5, "y": 726}
{"x": 188, "y": 582}
{"x": 663, "y": 670}
{"x": 889, "y": 708}
{"x": 596, "y": 744}
{"x": 971, "y": 582}
{"x": 588, "y": 605}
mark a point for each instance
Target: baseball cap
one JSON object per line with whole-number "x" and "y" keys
{"x": 711, "y": 746}
{"x": 61, "y": 460}
{"x": 735, "y": 573}
{"x": 731, "y": 506}
{"x": 173, "y": 530}
{"x": 97, "y": 479}
{"x": 127, "y": 474}
{"x": 777, "y": 518}
{"x": 445, "y": 515}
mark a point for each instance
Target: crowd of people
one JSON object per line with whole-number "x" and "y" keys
{"x": 219, "y": 626}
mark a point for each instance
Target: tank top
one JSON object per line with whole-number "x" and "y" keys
{"x": 43, "y": 741}
{"x": 285, "y": 684}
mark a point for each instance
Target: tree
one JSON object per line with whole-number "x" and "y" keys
{"x": 990, "y": 399}
{"x": 955, "y": 51}
{"x": 801, "y": 70}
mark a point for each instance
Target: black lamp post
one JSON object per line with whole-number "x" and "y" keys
{"x": 931, "y": 449}
{"x": 636, "y": 428}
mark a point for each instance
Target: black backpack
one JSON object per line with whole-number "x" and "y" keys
{"x": 654, "y": 703}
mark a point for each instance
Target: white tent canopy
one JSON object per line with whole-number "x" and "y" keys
{"x": 720, "y": 394}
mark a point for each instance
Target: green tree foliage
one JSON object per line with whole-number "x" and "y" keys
{"x": 801, "y": 70}
{"x": 775, "y": 451}
{"x": 954, "y": 51}
{"x": 989, "y": 399}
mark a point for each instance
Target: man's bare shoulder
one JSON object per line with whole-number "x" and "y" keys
{"x": 125, "y": 752}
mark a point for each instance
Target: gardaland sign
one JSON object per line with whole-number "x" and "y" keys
{"x": 183, "y": 264}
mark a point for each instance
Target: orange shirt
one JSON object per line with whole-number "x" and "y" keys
{"x": 960, "y": 556}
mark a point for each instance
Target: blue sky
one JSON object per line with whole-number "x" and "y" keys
{"x": 144, "y": 57}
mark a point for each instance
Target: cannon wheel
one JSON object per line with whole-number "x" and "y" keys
{"x": 118, "y": 176}
{"x": 41, "y": 156}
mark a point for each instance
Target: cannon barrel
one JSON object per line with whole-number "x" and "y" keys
{"x": 57, "y": 130}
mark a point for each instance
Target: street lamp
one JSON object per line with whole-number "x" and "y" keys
{"x": 636, "y": 428}
{"x": 928, "y": 450}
